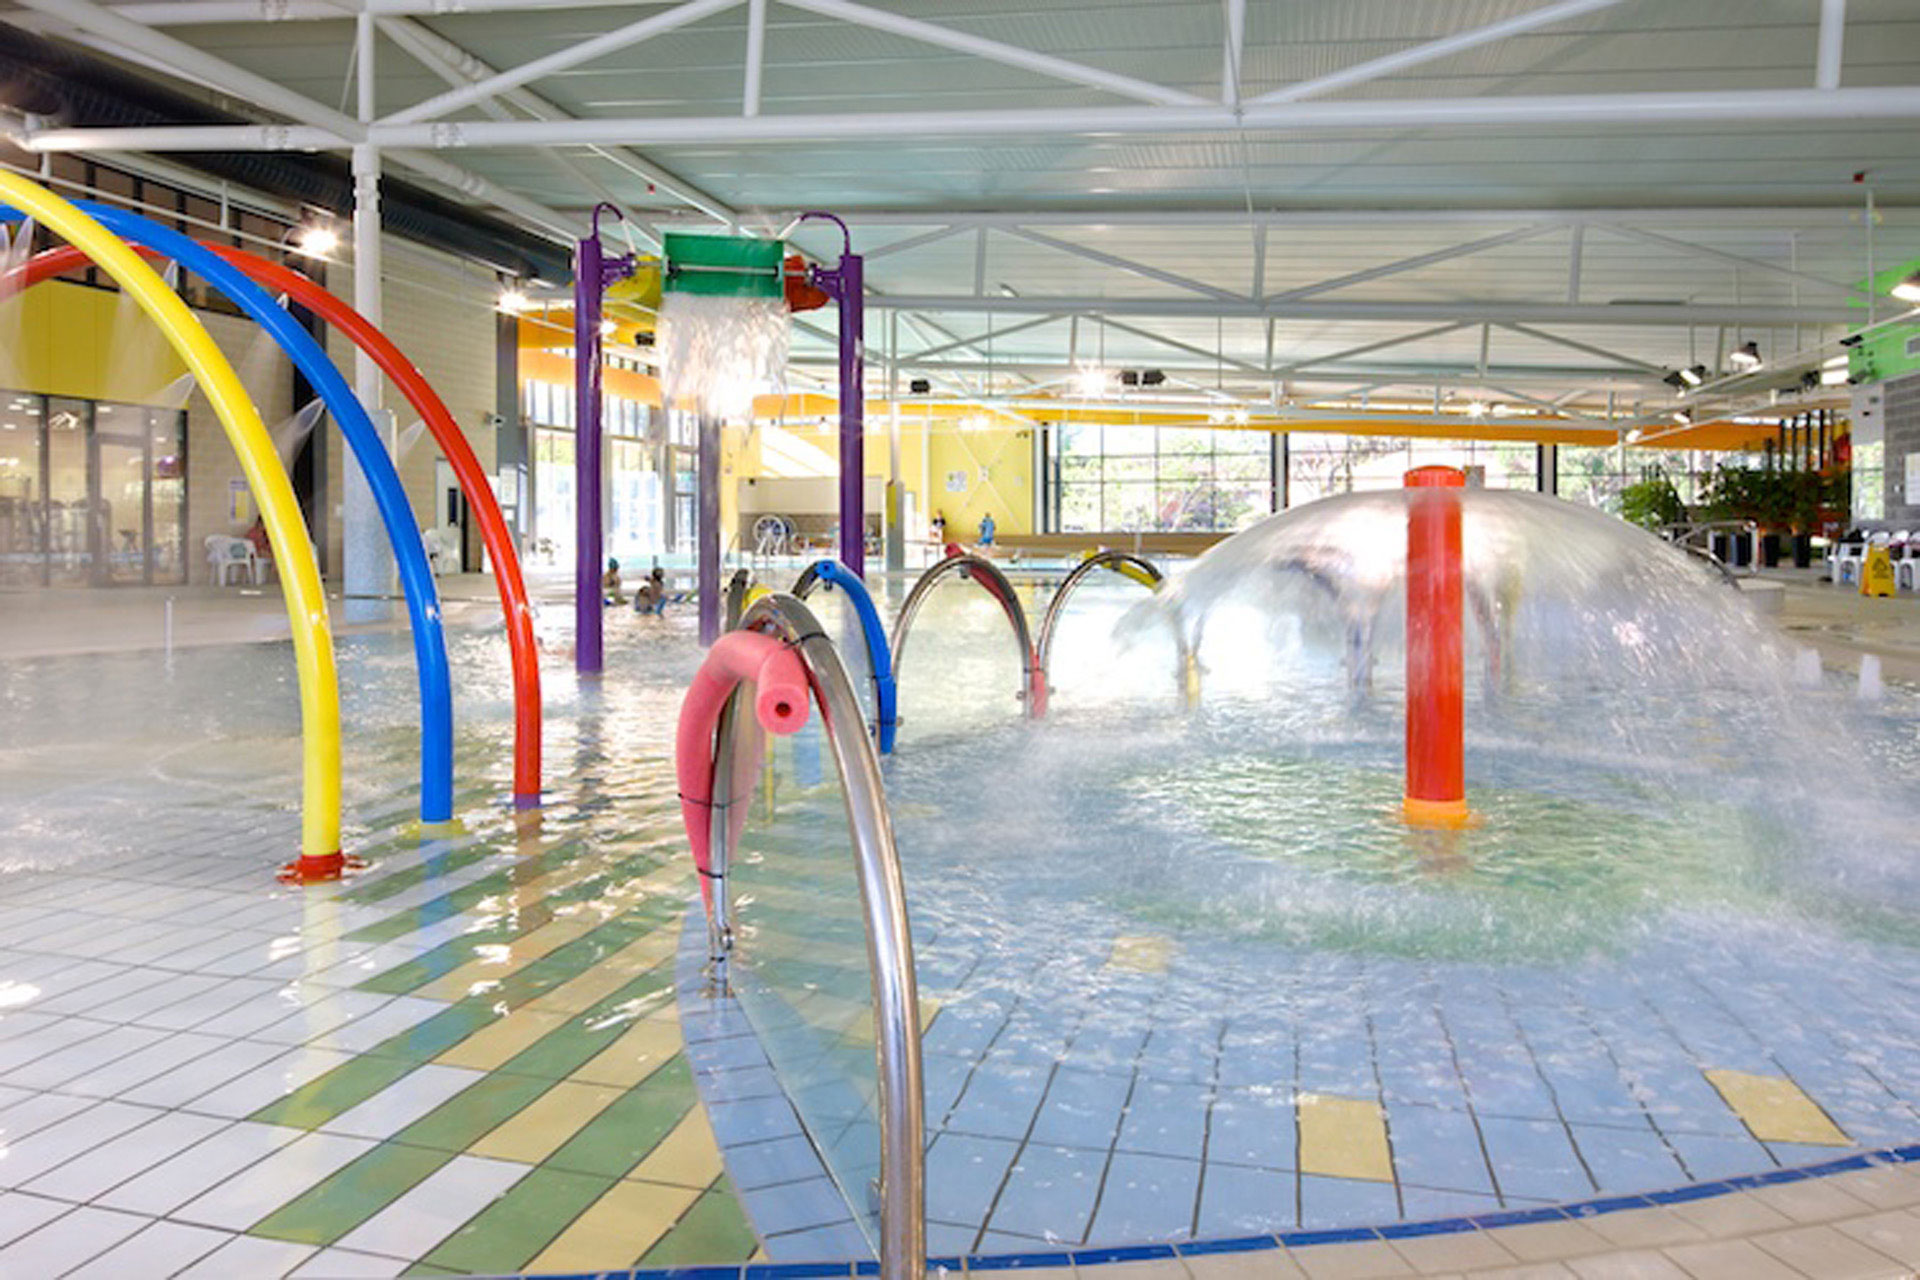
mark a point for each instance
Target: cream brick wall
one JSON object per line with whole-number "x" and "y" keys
{"x": 439, "y": 311}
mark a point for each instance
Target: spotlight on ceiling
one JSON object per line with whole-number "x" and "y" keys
{"x": 316, "y": 240}
{"x": 1152, "y": 377}
{"x": 1695, "y": 375}
{"x": 1129, "y": 377}
{"x": 1676, "y": 379}
{"x": 1908, "y": 290}
{"x": 512, "y": 301}
{"x": 920, "y": 386}
{"x": 1745, "y": 358}
{"x": 1092, "y": 381}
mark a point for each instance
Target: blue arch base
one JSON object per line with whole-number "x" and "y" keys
{"x": 831, "y": 573}
{"x": 410, "y": 554}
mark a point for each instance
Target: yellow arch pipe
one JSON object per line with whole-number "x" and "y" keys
{"x": 299, "y": 574}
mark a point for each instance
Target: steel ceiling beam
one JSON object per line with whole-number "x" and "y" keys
{"x": 1368, "y": 348}
{"x": 1413, "y": 263}
{"x": 187, "y": 13}
{"x": 1527, "y": 331}
{"x": 1733, "y": 259}
{"x": 1445, "y": 47}
{"x": 196, "y": 64}
{"x": 458, "y": 66}
{"x": 599, "y": 46}
{"x": 1466, "y": 311}
{"x": 995, "y": 51}
{"x": 1745, "y": 106}
{"x": 1236, "y": 27}
{"x": 1119, "y": 263}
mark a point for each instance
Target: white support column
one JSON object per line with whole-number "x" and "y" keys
{"x": 367, "y": 570}
{"x": 756, "y": 56}
{"x": 1236, "y": 16}
{"x": 1833, "y": 35}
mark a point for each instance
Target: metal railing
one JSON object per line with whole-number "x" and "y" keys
{"x": 1132, "y": 566}
{"x": 988, "y": 575}
{"x": 1696, "y": 540}
{"x": 901, "y": 1102}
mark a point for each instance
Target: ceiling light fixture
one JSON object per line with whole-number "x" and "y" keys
{"x": 1092, "y": 381}
{"x": 1695, "y": 375}
{"x": 1746, "y": 358}
{"x": 317, "y": 240}
{"x": 512, "y": 301}
{"x": 1908, "y": 290}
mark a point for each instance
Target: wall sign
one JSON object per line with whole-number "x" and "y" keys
{"x": 956, "y": 482}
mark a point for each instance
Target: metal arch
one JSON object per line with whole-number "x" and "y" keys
{"x": 988, "y": 575}
{"x": 831, "y": 573}
{"x": 896, "y": 1002}
{"x": 1050, "y": 620}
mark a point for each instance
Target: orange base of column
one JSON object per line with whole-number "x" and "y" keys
{"x": 317, "y": 869}
{"x": 1450, "y": 815}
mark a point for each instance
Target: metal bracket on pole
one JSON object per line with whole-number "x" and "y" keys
{"x": 593, "y": 271}
{"x": 846, "y": 284}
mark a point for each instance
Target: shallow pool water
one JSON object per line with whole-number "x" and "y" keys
{"x": 1189, "y": 974}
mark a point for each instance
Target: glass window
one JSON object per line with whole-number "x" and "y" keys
{"x": 1147, "y": 478}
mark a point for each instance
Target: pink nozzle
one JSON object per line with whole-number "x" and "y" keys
{"x": 779, "y": 704}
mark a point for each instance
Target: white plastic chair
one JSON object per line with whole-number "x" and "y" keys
{"x": 443, "y": 549}
{"x": 225, "y": 554}
{"x": 1845, "y": 566}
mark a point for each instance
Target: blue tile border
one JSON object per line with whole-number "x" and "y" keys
{"x": 1295, "y": 1239}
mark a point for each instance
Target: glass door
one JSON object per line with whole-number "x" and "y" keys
{"x": 123, "y": 521}
{"x": 71, "y": 528}
{"x": 23, "y": 550}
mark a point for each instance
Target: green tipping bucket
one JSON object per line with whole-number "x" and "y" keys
{"x": 724, "y": 266}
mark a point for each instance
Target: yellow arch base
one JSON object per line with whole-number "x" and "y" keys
{"x": 320, "y": 856}
{"x": 1445, "y": 815}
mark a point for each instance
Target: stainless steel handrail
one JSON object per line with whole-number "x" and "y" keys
{"x": 1683, "y": 535}
{"x": 1081, "y": 572}
{"x": 1050, "y": 620}
{"x": 896, "y": 1001}
{"x": 1034, "y": 695}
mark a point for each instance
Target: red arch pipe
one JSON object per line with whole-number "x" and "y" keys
{"x": 466, "y": 469}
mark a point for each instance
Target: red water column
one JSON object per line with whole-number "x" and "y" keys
{"x": 1436, "y": 779}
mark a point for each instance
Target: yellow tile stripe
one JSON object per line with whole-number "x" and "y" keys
{"x": 617, "y": 1228}
{"x": 543, "y": 1126}
{"x": 687, "y": 1157}
{"x": 497, "y": 962}
{"x": 1344, "y": 1138}
{"x": 1776, "y": 1109}
{"x": 491, "y": 1046}
{"x": 636, "y": 1055}
{"x": 1141, "y": 953}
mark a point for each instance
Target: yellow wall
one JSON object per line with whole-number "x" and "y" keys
{"x": 64, "y": 339}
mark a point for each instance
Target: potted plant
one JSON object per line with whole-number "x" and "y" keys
{"x": 1652, "y": 502}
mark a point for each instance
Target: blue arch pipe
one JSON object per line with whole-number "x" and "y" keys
{"x": 410, "y": 553}
{"x": 834, "y": 574}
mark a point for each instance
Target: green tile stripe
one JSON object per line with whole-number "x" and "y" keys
{"x": 352, "y": 1082}
{"x": 413, "y": 974}
{"x": 621, "y": 1136}
{"x": 607, "y": 1147}
{"x": 343, "y": 1201}
{"x": 511, "y": 1232}
{"x": 467, "y": 895}
{"x": 417, "y": 872}
{"x": 455, "y": 952}
{"x": 713, "y": 1230}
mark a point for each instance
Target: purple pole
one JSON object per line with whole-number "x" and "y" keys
{"x": 592, "y": 273}
{"x": 847, "y": 284}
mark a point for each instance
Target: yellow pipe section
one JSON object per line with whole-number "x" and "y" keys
{"x": 295, "y": 561}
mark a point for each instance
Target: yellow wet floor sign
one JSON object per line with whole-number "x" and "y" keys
{"x": 1876, "y": 573}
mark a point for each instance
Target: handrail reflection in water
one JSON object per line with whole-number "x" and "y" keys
{"x": 901, "y": 1103}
